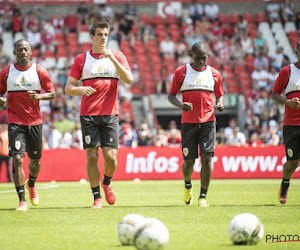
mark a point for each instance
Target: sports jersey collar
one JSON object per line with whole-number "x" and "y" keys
{"x": 296, "y": 64}
{"x": 96, "y": 55}
{"x": 23, "y": 68}
{"x": 202, "y": 69}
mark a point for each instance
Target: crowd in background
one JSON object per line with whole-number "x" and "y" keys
{"x": 229, "y": 44}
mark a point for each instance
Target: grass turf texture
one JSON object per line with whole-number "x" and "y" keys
{"x": 64, "y": 219}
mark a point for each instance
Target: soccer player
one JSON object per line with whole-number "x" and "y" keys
{"x": 197, "y": 82}
{"x": 100, "y": 70}
{"x": 288, "y": 82}
{"x": 24, "y": 82}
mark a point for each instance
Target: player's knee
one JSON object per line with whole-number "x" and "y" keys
{"x": 18, "y": 159}
{"x": 92, "y": 157}
{"x": 35, "y": 163}
{"x": 206, "y": 159}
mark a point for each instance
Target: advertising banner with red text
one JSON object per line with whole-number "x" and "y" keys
{"x": 151, "y": 163}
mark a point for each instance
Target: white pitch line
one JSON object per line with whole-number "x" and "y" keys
{"x": 45, "y": 187}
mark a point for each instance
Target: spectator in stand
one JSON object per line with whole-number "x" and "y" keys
{"x": 194, "y": 38}
{"x": 6, "y": 7}
{"x": 255, "y": 141}
{"x": 247, "y": 44}
{"x": 237, "y": 53}
{"x": 167, "y": 47}
{"x": 221, "y": 139}
{"x": 195, "y": 10}
{"x": 4, "y": 156}
{"x": 173, "y": 134}
{"x": 128, "y": 136}
{"x": 204, "y": 27}
{"x": 242, "y": 24}
{"x": 229, "y": 129}
{"x": 77, "y": 136}
{"x": 31, "y": 20}
{"x": 145, "y": 137}
{"x": 184, "y": 58}
{"x": 47, "y": 37}
{"x": 297, "y": 21}
{"x": 273, "y": 74}
{"x": 82, "y": 12}
{"x": 106, "y": 12}
{"x": 17, "y": 22}
{"x": 259, "y": 78}
{"x": 273, "y": 10}
{"x": 161, "y": 139}
{"x": 71, "y": 22}
{"x": 272, "y": 138}
{"x": 222, "y": 50}
{"x": 180, "y": 48}
{"x": 277, "y": 58}
{"x": 260, "y": 43}
{"x": 163, "y": 84}
{"x": 54, "y": 137}
{"x": 287, "y": 11}
{"x": 237, "y": 138}
{"x": 261, "y": 60}
{"x": 58, "y": 23}
{"x": 34, "y": 36}
{"x": 211, "y": 10}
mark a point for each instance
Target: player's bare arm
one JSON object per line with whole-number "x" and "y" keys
{"x": 2, "y": 101}
{"x": 185, "y": 106}
{"x": 72, "y": 90}
{"x": 220, "y": 103}
{"x": 125, "y": 74}
{"x": 45, "y": 96}
{"x": 293, "y": 103}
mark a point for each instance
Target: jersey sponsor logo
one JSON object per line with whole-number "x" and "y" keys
{"x": 22, "y": 79}
{"x": 290, "y": 152}
{"x": 17, "y": 145}
{"x": 185, "y": 151}
{"x": 87, "y": 139}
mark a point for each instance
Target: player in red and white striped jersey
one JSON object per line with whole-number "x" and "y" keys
{"x": 197, "y": 82}
{"x": 288, "y": 82}
{"x": 100, "y": 70}
{"x": 24, "y": 81}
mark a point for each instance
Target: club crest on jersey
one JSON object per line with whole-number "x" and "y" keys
{"x": 87, "y": 139}
{"x": 290, "y": 152}
{"x": 17, "y": 145}
{"x": 185, "y": 151}
{"x": 198, "y": 81}
{"x": 100, "y": 69}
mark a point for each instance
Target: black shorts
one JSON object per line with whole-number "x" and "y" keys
{"x": 291, "y": 138}
{"x": 197, "y": 134}
{"x": 25, "y": 139}
{"x": 100, "y": 131}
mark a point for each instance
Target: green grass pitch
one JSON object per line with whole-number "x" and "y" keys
{"x": 64, "y": 219}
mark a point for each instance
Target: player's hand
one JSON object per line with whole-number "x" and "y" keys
{"x": 220, "y": 107}
{"x": 2, "y": 101}
{"x": 293, "y": 103}
{"x": 108, "y": 54}
{"x": 187, "y": 106}
{"x": 33, "y": 95}
{"x": 88, "y": 90}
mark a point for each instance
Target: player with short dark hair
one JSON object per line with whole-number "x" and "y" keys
{"x": 24, "y": 81}
{"x": 100, "y": 70}
{"x": 288, "y": 82}
{"x": 197, "y": 82}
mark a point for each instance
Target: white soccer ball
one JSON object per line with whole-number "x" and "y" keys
{"x": 245, "y": 229}
{"x": 153, "y": 235}
{"x": 128, "y": 227}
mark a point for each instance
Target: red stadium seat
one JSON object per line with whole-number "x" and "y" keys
{"x": 260, "y": 17}
{"x": 48, "y": 53}
{"x": 157, "y": 19}
{"x": 171, "y": 19}
{"x": 146, "y": 19}
{"x": 234, "y": 18}
{"x": 248, "y": 17}
{"x": 223, "y": 18}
